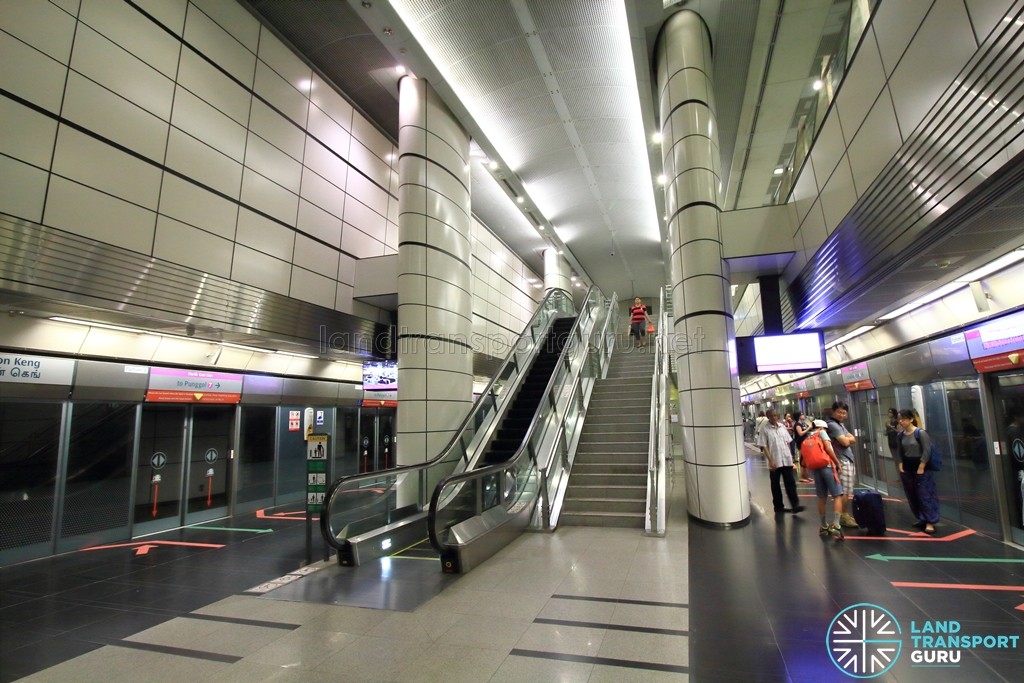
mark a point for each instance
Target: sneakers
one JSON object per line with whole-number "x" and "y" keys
{"x": 847, "y": 520}
{"x": 833, "y": 530}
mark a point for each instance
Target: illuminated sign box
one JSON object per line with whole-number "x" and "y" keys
{"x": 998, "y": 344}
{"x": 766, "y": 354}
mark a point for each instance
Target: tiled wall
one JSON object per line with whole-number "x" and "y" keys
{"x": 184, "y": 130}
{"x": 910, "y": 54}
{"x": 188, "y": 132}
{"x": 504, "y": 293}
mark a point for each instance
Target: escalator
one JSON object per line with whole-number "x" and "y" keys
{"x": 521, "y": 413}
{"x": 505, "y": 465}
{"x": 374, "y": 514}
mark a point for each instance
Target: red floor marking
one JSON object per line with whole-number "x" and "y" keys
{"x": 917, "y": 536}
{"x": 813, "y": 495}
{"x": 260, "y": 514}
{"x": 154, "y": 543}
{"x": 1020, "y": 606}
{"x": 958, "y": 586}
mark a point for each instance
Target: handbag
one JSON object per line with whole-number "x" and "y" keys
{"x": 650, "y": 328}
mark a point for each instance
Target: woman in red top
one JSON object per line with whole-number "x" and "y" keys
{"x": 638, "y": 322}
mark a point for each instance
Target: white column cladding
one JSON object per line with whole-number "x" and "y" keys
{"x": 709, "y": 396}
{"x": 435, "y": 357}
{"x": 556, "y": 271}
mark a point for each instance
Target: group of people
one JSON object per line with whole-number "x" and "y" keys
{"x": 780, "y": 441}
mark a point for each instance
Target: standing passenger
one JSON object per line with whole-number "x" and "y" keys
{"x": 826, "y": 482}
{"x": 773, "y": 439}
{"x": 918, "y": 482}
{"x": 844, "y": 440}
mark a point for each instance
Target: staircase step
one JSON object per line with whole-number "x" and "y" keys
{"x": 584, "y": 479}
{"x": 610, "y": 468}
{"x": 595, "y": 457}
{"x": 605, "y": 505}
{"x": 617, "y": 492}
{"x": 623, "y": 519}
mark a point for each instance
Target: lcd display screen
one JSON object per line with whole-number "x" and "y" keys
{"x": 789, "y": 352}
{"x": 380, "y": 375}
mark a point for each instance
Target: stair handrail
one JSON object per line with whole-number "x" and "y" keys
{"x": 655, "y": 522}
{"x": 537, "y": 464}
{"x": 385, "y": 483}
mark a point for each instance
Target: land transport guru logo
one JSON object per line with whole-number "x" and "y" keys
{"x": 865, "y": 640}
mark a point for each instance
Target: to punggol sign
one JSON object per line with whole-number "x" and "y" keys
{"x": 193, "y": 386}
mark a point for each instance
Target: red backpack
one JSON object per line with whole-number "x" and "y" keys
{"x": 813, "y": 452}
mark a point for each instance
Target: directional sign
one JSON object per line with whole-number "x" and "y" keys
{"x": 1017, "y": 448}
{"x": 923, "y": 537}
{"x": 211, "y": 455}
{"x": 158, "y": 460}
{"x": 143, "y": 547}
{"x": 902, "y": 558}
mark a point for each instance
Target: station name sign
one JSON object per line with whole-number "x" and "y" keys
{"x": 23, "y": 369}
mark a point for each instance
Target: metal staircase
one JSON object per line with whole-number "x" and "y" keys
{"x": 608, "y": 484}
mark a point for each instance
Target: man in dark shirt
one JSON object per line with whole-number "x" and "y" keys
{"x": 843, "y": 442}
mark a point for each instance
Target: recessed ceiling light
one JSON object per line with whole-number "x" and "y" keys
{"x": 661, "y": 179}
{"x": 520, "y": 200}
{"x": 656, "y": 138}
{"x": 779, "y": 171}
{"x": 818, "y": 84}
{"x": 400, "y": 69}
{"x": 493, "y": 165}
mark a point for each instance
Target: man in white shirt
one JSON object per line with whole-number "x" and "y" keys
{"x": 773, "y": 439}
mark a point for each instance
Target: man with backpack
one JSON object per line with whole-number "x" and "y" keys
{"x": 821, "y": 462}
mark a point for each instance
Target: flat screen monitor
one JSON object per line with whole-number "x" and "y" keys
{"x": 380, "y": 375}
{"x": 766, "y": 354}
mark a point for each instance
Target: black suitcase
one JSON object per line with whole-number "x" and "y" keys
{"x": 868, "y": 511}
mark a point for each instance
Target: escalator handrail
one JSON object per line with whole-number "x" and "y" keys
{"x": 487, "y": 470}
{"x": 399, "y": 470}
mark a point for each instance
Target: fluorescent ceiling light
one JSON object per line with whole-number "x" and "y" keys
{"x": 850, "y": 335}
{"x": 243, "y": 347}
{"x": 926, "y": 299}
{"x": 297, "y": 355}
{"x": 1004, "y": 261}
{"x": 89, "y": 323}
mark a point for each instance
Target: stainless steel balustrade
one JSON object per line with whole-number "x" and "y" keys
{"x": 658, "y": 480}
{"x": 473, "y": 514}
{"x": 366, "y": 515}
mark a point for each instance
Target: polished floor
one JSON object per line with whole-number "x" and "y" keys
{"x": 583, "y": 604}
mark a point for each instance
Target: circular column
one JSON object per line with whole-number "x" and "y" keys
{"x": 709, "y": 396}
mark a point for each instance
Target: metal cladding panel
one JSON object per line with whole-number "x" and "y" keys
{"x": 943, "y": 178}
{"x": 951, "y": 357}
{"x": 101, "y": 381}
{"x": 308, "y": 391}
{"x": 262, "y": 389}
{"x": 878, "y": 371}
{"x": 913, "y": 365}
{"x": 129, "y": 288}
